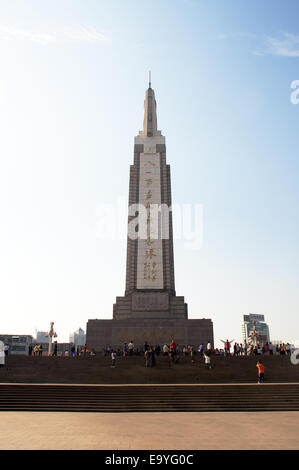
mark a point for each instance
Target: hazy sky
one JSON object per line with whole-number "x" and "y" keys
{"x": 72, "y": 84}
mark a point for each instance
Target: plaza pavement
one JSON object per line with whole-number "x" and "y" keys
{"x": 149, "y": 431}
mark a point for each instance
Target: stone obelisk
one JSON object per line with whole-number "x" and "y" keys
{"x": 150, "y": 310}
{"x": 150, "y": 290}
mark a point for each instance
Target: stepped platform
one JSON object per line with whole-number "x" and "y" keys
{"x": 90, "y": 384}
{"x": 131, "y": 370}
{"x": 149, "y": 398}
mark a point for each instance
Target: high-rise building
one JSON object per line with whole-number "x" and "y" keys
{"x": 261, "y": 327}
{"x": 150, "y": 310}
{"x": 78, "y": 338}
{"x": 42, "y": 337}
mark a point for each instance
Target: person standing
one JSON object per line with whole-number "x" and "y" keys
{"x": 261, "y": 371}
{"x": 113, "y": 359}
{"x": 146, "y": 357}
{"x": 207, "y": 359}
{"x": 131, "y": 348}
{"x": 6, "y": 348}
{"x": 30, "y": 347}
{"x": 153, "y": 357}
{"x": 227, "y": 346}
{"x": 192, "y": 354}
{"x": 173, "y": 347}
{"x": 171, "y": 355}
{"x": 2, "y": 354}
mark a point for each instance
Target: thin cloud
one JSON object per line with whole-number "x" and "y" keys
{"x": 258, "y": 53}
{"x": 286, "y": 46}
{"x": 66, "y": 34}
{"x": 240, "y": 34}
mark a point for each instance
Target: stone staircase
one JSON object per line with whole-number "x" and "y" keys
{"x": 97, "y": 370}
{"x": 149, "y": 398}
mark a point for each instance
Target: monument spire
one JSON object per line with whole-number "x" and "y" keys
{"x": 150, "y": 112}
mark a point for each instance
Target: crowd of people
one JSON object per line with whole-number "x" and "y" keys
{"x": 242, "y": 349}
{"x": 35, "y": 350}
{"x": 205, "y": 351}
{"x": 172, "y": 350}
{"x": 39, "y": 349}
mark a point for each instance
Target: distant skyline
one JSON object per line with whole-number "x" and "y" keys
{"x": 72, "y": 85}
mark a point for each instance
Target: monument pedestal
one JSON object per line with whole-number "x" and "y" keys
{"x": 151, "y": 316}
{"x": 150, "y": 304}
{"x": 114, "y": 333}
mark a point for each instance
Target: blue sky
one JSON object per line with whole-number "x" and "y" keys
{"x": 72, "y": 84}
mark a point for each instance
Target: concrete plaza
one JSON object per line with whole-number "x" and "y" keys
{"x": 149, "y": 431}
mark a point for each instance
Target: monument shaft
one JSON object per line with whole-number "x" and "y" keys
{"x": 150, "y": 265}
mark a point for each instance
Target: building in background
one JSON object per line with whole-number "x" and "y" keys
{"x": 41, "y": 337}
{"x": 17, "y": 344}
{"x": 261, "y": 327}
{"x": 78, "y": 338}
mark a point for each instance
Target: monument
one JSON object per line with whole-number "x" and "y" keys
{"x": 150, "y": 311}
{"x": 51, "y": 334}
{"x": 253, "y": 339}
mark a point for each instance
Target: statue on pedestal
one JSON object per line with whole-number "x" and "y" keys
{"x": 51, "y": 334}
{"x": 252, "y": 341}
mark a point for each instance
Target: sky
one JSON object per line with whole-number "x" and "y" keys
{"x": 72, "y": 85}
